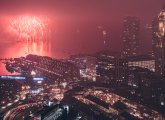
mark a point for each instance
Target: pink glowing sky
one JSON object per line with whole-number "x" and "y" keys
{"x": 74, "y": 24}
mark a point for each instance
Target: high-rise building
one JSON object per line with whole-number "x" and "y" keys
{"x": 130, "y": 37}
{"x": 158, "y": 42}
{"x": 110, "y": 69}
{"x": 86, "y": 65}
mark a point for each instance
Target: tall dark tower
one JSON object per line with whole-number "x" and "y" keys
{"x": 158, "y": 42}
{"x": 130, "y": 37}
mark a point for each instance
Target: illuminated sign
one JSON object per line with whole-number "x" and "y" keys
{"x": 38, "y": 79}
{"x": 35, "y": 91}
{"x": 13, "y": 77}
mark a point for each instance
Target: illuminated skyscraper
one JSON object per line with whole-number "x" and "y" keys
{"x": 130, "y": 37}
{"x": 158, "y": 42}
{"x": 86, "y": 65}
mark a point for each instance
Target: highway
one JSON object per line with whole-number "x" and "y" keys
{"x": 22, "y": 114}
{"x": 21, "y": 111}
{"x": 7, "y": 108}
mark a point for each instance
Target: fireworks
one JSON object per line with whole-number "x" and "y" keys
{"x": 32, "y": 30}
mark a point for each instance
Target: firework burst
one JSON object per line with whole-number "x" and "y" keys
{"x": 32, "y": 30}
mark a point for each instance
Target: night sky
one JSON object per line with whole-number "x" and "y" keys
{"x": 76, "y": 25}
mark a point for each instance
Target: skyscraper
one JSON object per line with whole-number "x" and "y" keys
{"x": 130, "y": 37}
{"x": 158, "y": 42}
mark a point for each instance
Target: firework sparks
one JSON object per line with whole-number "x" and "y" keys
{"x": 32, "y": 30}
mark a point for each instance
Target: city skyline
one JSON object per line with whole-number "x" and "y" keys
{"x": 69, "y": 36}
{"x": 82, "y": 60}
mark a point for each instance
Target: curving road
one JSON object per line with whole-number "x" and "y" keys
{"x": 21, "y": 111}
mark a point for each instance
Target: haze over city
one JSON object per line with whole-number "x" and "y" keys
{"x": 74, "y": 24}
{"x": 82, "y": 60}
